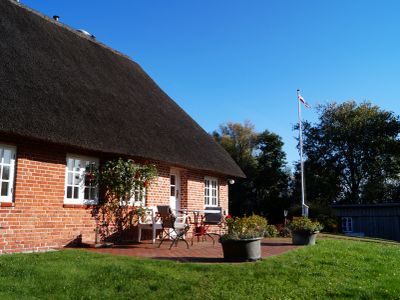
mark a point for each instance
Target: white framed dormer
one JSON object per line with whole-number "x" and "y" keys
{"x": 211, "y": 191}
{"x": 78, "y": 189}
{"x": 7, "y": 172}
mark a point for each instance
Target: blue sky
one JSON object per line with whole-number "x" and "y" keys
{"x": 243, "y": 60}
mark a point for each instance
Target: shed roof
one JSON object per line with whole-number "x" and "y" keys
{"x": 367, "y": 210}
{"x": 59, "y": 86}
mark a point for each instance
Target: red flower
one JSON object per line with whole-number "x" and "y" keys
{"x": 228, "y": 216}
{"x": 146, "y": 183}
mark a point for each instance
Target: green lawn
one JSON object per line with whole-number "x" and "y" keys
{"x": 330, "y": 269}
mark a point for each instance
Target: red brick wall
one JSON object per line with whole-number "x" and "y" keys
{"x": 223, "y": 194}
{"x": 39, "y": 220}
{"x": 193, "y": 192}
{"x": 191, "y": 189}
{"x": 158, "y": 192}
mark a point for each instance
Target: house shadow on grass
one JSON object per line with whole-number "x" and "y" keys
{"x": 204, "y": 260}
{"x": 272, "y": 244}
{"x": 189, "y": 259}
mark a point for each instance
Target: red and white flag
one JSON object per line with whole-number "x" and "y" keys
{"x": 301, "y": 99}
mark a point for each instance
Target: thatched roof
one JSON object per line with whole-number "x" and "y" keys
{"x": 60, "y": 86}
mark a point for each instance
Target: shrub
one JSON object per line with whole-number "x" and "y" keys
{"x": 245, "y": 228}
{"x": 271, "y": 231}
{"x": 304, "y": 224}
{"x": 330, "y": 223}
{"x": 283, "y": 230}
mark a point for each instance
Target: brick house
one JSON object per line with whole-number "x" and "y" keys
{"x": 67, "y": 100}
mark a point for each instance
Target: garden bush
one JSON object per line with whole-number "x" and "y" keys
{"x": 271, "y": 231}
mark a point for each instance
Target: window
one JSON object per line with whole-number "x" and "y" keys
{"x": 347, "y": 224}
{"x": 172, "y": 185}
{"x": 7, "y": 169}
{"x": 210, "y": 191}
{"x": 138, "y": 197}
{"x": 79, "y": 189}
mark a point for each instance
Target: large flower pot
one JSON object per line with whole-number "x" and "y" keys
{"x": 304, "y": 238}
{"x": 242, "y": 250}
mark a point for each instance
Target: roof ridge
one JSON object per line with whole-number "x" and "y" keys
{"x": 71, "y": 29}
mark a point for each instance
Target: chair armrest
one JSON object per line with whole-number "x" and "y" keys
{"x": 157, "y": 217}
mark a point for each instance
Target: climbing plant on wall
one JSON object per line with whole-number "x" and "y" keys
{"x": 118, "y": 180}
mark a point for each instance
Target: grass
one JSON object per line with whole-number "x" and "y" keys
{"x": 330, "y": 269}
{"x": 356, "y": 238}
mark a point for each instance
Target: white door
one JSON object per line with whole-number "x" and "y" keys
{"x": 174, "y": 199}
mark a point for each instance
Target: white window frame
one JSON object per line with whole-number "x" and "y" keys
{"x": 138, "y": 197}
{"x": 208, "y": 199}
{"x": 11, "y": 177}
{"x": 81, "y": 184}
{"x": 347, "y": 224}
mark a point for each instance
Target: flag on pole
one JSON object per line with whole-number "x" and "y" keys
{"x": 301, "y": 99}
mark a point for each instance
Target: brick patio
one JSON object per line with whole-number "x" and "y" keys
{"x": 203, "y": 251}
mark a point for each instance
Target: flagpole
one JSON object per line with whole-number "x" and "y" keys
{"x": 304, "y": 207}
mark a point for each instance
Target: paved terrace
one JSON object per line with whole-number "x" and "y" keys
{"x": 203, "y": 251}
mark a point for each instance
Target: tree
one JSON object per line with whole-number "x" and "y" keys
{"x": 240, "y": 142}
{"x": 260, "y": 155}
{"x": 322, "y": 184}
{"x": 272, "y": 176}
{"x": 354, "y": 150}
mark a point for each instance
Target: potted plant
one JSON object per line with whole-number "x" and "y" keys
{"x": 242, "y": 241}
{"x": 304, "y": 231}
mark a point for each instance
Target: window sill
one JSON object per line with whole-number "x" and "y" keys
{"x": 84, "y": 206}
{"x": 6, "y": 204}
